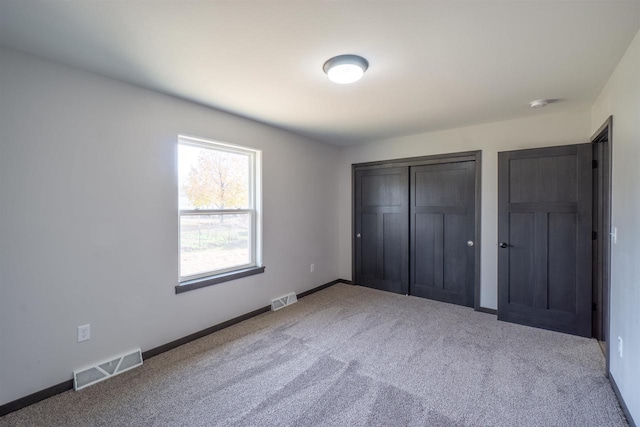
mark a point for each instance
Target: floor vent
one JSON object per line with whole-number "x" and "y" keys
{"x": 101, "y": 371}
{"x": 278, "y": 303}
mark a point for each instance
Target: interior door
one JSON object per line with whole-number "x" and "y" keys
{"x": 544, "y": 234}
{"x": 442, "y": 217}
{"x": 381, "y": 227}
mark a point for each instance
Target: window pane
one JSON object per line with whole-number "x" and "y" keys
{"x": 214, "y": 242}
{"x": 212, "y": 179}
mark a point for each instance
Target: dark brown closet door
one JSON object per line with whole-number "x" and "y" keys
{"x": 442, "y": 217}
{"x": 381, "y": 227}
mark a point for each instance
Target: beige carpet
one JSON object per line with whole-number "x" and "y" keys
{"x": 353, "y": 356}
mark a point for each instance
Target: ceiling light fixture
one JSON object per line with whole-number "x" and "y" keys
{"x": 539, "y": 103}
{"x": 345, "y": 69}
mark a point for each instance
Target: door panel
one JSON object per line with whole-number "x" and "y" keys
{"x": 562, "y": 253}
{"x": 442, "y": 215}
{"x": 393, "y": 228}
{"x": 369, "y": 247}
{"x": 544, "y": 226}
{"x": 456, "y": 252}
{"x": 429, "y": 227}
{"x": 521, "y": 271}
{"x": 381, "y": 222}
{"x": 440, "y": 185}
{"x": 382, "y": 190}
{"x": 544, "y": 179}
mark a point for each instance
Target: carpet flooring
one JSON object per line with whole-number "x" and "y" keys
{"x": 352, "y": 356}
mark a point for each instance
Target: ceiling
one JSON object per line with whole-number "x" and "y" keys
{"x": 433, "y": 65}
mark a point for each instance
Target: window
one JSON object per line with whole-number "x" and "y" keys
{"x": 219, "y": 217}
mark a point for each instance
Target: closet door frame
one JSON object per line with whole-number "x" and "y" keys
{"x": 475, "y": 156}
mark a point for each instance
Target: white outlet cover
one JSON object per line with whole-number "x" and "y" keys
{"x": 620, "y": 346}
{"x": 84, "y": 333}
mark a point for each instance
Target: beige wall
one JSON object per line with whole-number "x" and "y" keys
{"x": 621, "y": 99}
{"x": 88, "y": 220}
{"x": 539, "y": 131}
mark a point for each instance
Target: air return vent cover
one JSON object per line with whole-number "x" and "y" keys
{"x": 278, "y": 303}
{"x": 101, "y": 371}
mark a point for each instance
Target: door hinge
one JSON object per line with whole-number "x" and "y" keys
{"x": 594, "y": 235}
{"x": 594, "y": 164}
{"x": 594, "y": 306}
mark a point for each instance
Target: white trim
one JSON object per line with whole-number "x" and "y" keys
{"x": 196, "y": 212}
{"x": 207, "y": 143}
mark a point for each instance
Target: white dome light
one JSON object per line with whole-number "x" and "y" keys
{"x": 345, "y": 69}
{"x": 345, "y": 73}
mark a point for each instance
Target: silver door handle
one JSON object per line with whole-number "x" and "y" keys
{"x": 469, "y": 243}
{"x": 358, "y": 235}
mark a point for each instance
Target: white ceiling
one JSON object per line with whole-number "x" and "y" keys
{"x": 433, "y": 65}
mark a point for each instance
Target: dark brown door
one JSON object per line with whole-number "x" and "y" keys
{"x": 544, "y": 234}
{"x": 381, "y": 226}
{"x": 442, "y": 216}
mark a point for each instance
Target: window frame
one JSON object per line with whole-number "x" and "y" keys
{"x": 211, "y": 277}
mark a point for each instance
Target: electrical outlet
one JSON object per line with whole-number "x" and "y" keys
{"x": 313, "y": 268}
{"x": 614, "y": 235}
{"x": 84, "y": 333}
{"x": 620, "y": 346}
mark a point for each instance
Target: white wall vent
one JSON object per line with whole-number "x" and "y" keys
{"x": 101, "y": 371}
{"x": 278, "y": 303}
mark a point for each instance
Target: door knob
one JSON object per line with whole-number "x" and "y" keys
{"x": 358, "y": 235}
{"x": 503, "y": 245}
{"x": 469, "y": 243}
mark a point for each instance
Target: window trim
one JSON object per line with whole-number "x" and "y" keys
{"x": 218, "y": 278}
{"x": 196, "y": 281}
